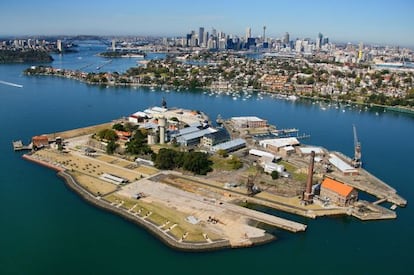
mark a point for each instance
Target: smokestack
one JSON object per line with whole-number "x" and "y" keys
{"x": 307, "y": 196}
{"x": 162, "y": 123}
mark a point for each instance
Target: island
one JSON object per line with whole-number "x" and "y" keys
{"x": 199, "y": 187}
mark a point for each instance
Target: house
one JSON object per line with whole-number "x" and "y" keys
{"x": 40, "y": 142}
{"x": 337, "y": 192}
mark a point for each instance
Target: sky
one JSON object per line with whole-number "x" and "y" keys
{"x": 370, "y": 21}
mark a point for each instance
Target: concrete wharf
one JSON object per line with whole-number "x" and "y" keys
{"x": 370, "y": 184}
{"x": 19, "y": 146}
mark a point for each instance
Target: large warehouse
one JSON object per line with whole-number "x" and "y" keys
{"x": 249, "y": 122}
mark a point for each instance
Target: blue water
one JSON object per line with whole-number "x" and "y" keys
{"x": 47, "y": 229}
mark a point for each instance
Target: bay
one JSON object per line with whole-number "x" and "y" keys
{"x": 47, "y": 229}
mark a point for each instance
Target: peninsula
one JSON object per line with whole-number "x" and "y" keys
{"x": 24, "y": 56}
{"x": 194, "y": 186}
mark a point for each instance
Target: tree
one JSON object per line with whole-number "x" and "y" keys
{"x": 165, "y": 159}
{"x": 222, "y": 153}
{"x": 235, "y": 163}
{"x": 138, "y": 145}
{"x": 107, "y": 134}
{"x": 111, "y": 147}
{"x": 118, "y": 127}
{"x": 197, "y": 162}
{"x": 274, "y": 174}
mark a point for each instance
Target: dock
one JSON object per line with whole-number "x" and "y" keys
{"x": 19, "y": 146}
{"x": 266, "y": 218}
{"x": 370, "y": 184}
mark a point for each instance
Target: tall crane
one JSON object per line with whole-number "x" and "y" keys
{"x": 356, "y": 162}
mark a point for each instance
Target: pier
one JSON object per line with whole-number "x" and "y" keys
{"x": 19, "y": 146}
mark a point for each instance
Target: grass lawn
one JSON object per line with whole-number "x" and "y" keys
{"x": 220, "y": 163}
{"x": 293, "y": 170}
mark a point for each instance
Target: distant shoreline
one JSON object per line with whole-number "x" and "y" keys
{"x": 398, "y": 109}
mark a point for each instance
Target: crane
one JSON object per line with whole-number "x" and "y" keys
{"x": 356, "y": 162}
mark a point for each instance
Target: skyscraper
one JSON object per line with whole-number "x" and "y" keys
{"x": 201, "y": 36}
{"x": 286, "y": 38}
{"x": 319, "y": 41}
{"x": 248, "y": 33}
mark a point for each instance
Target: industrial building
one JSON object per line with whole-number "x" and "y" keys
{"x": 194, "y": 138}
{"x": 215, "y": 138}
{"x": 337, "y": 192}
{"x": 263, "y": 154}
{"x": 342, "y": 166}
{"x": 249, "y": 122}
{"x": 283, "y": 146}
{"x": 230, "y": 146}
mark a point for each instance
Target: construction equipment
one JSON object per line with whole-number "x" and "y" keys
{"x": 356, "y": 162}
{"x": 252, "y": 189}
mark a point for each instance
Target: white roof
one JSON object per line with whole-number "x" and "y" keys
{"x": 247, "y": 118}
{"x": 197, "y": 134}
{"x": 229, "y": 144}
{"x": 340, "y": 164}
{"x": 288, "y": 148}
{"x": 155, "y": 110}
{"x": 308, "y": 150}
{"x": 139, "y": 114}
{"x": 261, "y": 153}
{"x": 279, "y": 142}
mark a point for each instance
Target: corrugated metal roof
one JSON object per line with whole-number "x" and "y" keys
{"x": 279, "y": 142}
{"x": 308, "y": 150}
{"x": 261, "y": 153}
{"x": 247, "y": 118}
{"x": 340, "y": 164}
{"x": 195, "y": 135}
{"x": 229, "y": 144}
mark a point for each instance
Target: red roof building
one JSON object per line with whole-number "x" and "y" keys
{"x": 40, "y": 141}
{"x": 337, "y": 192}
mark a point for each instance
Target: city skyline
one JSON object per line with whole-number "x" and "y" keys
{"x": 375, "y": 22}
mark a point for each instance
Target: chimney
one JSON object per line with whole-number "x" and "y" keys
{"x": 308, "y": 196}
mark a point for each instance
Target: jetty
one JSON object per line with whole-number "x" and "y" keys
{"x": 19, "y": 146}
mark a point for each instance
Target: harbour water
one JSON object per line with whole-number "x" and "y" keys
{"x": 47, "y": 229}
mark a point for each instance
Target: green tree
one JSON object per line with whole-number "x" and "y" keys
{"x": 118, "y": 127}
{"x": 274, "y": 174}
{"x": 197, "y": 162}
{"x": 107, "y": 134}
{"x": 111, "y": 147}
{"x": 222, "y": 153}
{"x": 165, "y": 159}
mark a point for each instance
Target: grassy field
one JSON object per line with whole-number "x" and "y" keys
{"x": 93, "y": 184}
{"x": 161, "y": 215}
{"x": 294, "y": 171}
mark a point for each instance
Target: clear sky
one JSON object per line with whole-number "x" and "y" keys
{"x": 370, "y": 21}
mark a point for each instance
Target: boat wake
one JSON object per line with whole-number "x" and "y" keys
{"x": 11, "y": 84}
